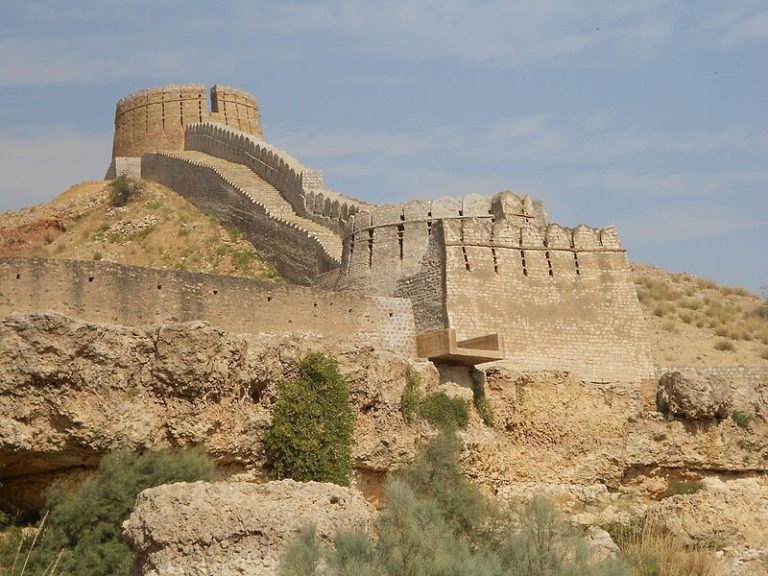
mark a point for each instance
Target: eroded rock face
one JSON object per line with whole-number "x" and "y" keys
{"x": 722, "y": 514}
{"x": 702, "y": 398}
{"x": 228, "y": 529}
{"x": 71, "y": 391}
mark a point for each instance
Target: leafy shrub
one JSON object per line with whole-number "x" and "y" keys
{"x": 123, "y": 189}
{"x": 83, "y": 530}
{"x": 303, "y": 556}
{"x": 682, "y": 487}
{"x": 242, "y": 259}
{"x": 444, "y": 412}
{"x": 479, "y": 399}
{"x": 436, "y": 523}
{"x": 742, "y": 419}
{"x": 411, "y": 398}
{"x": 310, "y": 437}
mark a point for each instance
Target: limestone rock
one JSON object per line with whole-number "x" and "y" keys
{"x": 223, "y": 529}
{"x": 722, "y": 514}
{"x": 700, "y": 398}
{"x": 601, "y": 543}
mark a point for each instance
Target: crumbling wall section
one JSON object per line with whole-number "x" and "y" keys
{"x": 133, "y": 296}
{"x": 562, "y": 298}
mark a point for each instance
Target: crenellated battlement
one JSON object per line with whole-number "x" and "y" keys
{"x": 302, "y": 187}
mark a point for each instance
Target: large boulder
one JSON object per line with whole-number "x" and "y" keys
{"x": 228, "y": 529}
{"x": 694, "y": 398}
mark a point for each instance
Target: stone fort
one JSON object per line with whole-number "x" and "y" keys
{"x": 459, "y": 280}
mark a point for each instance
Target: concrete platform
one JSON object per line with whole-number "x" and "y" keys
{"x": 442, "y": 345}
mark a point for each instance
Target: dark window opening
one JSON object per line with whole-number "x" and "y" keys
{"x": 400, "y": 234}
{"x": 370, "y": 247}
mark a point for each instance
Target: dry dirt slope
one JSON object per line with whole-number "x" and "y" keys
{"x": 695, "y": 322}
{"x": 157, "y": 229}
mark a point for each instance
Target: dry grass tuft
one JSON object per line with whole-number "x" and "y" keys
{"x": 653, "y": 551}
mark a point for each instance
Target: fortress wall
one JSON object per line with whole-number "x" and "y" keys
{"x": 155, "y": 119}
{"x": 277, "y": 167}
{"x": 377, "y": 257}
{"x": 426, "y": 288}
{"x": 553, "y": 315}
{"x": 237, "y": 108}
{"x": 132, "y": 296}
{"x": 297, "y": 255}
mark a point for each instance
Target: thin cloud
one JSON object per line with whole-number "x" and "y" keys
{"x": 685, "y": 224}
{"x": 36, "y": 168}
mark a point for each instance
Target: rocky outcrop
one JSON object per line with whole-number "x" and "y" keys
{"x": 720, "y": 514}
{"x": 702, "y": 398}
{"x": 228, "y": 529}
{"x": 70, "y": 391}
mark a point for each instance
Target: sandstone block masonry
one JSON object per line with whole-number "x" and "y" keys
{"x": 562, "y": 298}
{"x": 156, "y": 118}
{"x": 134, "y": 296}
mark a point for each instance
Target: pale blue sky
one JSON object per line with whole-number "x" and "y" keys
{"x": 649, "y": 115}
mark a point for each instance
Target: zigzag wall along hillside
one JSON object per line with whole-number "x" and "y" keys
{"x": 297, "y": 255}
{"x": 132, "y": 296}
{"x": 302, "y": 187}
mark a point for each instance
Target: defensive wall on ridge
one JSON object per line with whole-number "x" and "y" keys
{"x": 133, "y": 296}
{"x": 302, "y": 187}
{"x": 296, "y": 253}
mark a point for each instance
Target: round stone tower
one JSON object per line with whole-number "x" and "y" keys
{"x": 156, "y": 118}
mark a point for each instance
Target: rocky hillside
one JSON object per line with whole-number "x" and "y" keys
{"x": 157, "y": 229}
{"x": 696, "y": 322}
{"x": 71, "y": 391}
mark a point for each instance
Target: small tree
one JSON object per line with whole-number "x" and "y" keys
{"x": 83, "y": 532}
{"x": 310, "y": 437}
{"x": 123, "y": 188}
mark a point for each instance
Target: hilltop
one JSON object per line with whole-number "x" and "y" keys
{"x": 157, "y": 229}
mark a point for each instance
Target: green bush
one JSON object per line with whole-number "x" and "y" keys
{"x": 436, "y": 523}
{"x": 83, "y": 527}
{"x": 479, "y": 399}
{"x": 682, "y": 487}
{"x": 123, "y": 189}
{"x": 444, "y": 412}
{"x": 310, "y": 437}
{"x": 411, "y": 398}
{"x": 742, "y": 419}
